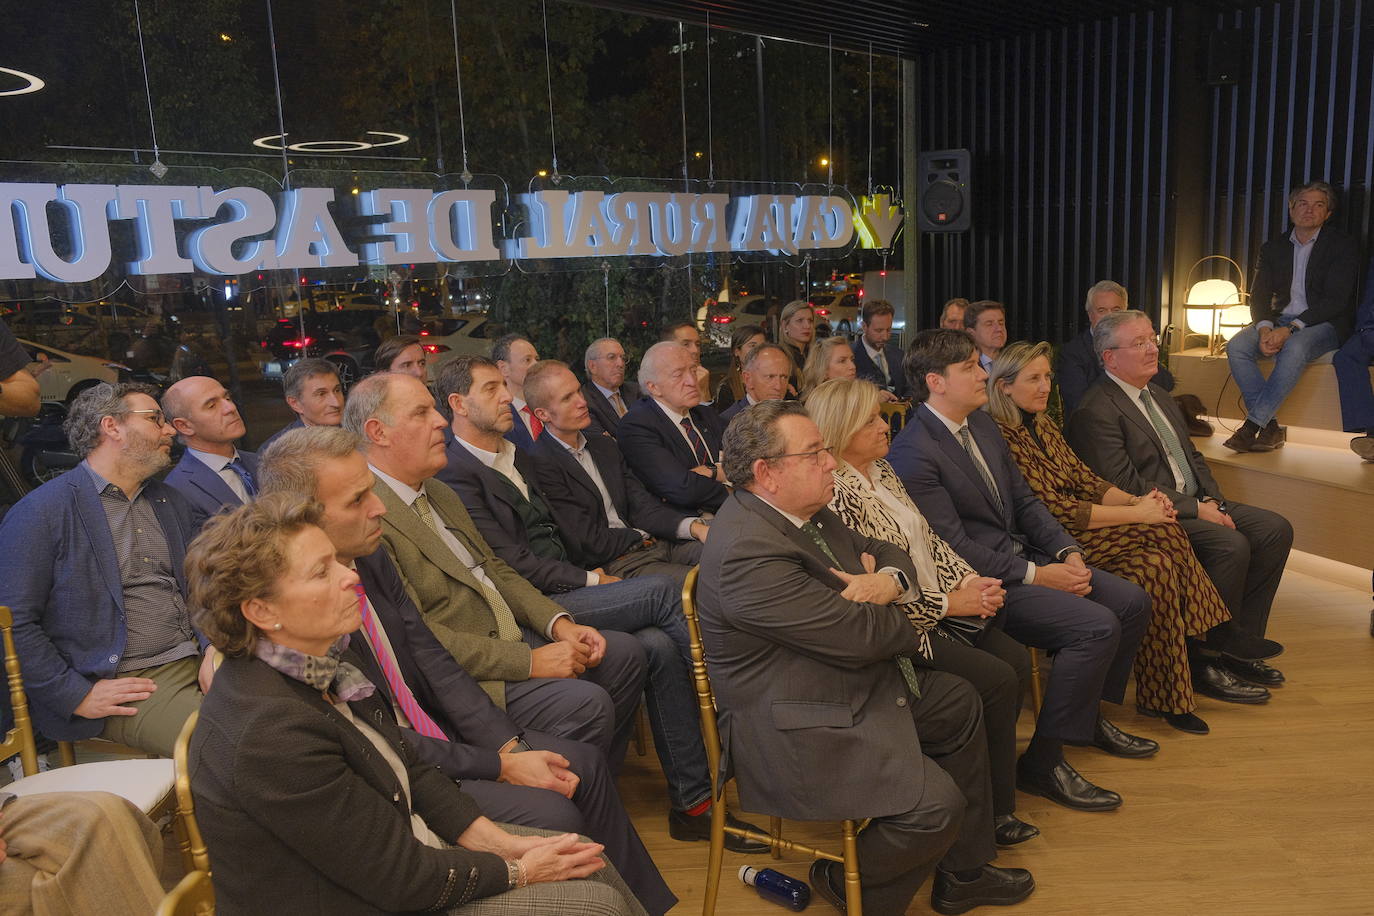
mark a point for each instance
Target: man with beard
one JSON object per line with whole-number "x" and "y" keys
{"x": 92, "y": 568}
{"x": 213, "y": 473}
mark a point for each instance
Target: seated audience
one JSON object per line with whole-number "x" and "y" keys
{"x": 366, "y": 826}
{"x": 213, "y": 473}
{"x": 952, "y": 315}
{"x": 872, "y": 501}
{"x": 1352, "y": 375}
{"x": 986, "y": 323}
{"x": 77, "y": 852}
{"x": 957, "y": 468}
{"x": 517, "y": 776}
{"x": 314, "y": 392}
{"x": 514, "y": 355}
{"x": 608, "y": 395}
{"x": 1135, "y": 437}
{"x": 547, "y": 671}
{"x": 92, "y": 568}
{"x": 1077, "y": 366}
{"x": 1301, "y": 303}
{"x": 765, "y": 373}
{"x": 801, "y": 624}
{"x": 876, "y": 358}
{"x": 403, "y": 353}
{"x": 686, "y": 334}
{"x": 671, "y": 443}
{"x": 1137, "y": 537}
{"x": 744, "y": 340}
{"x": 796, "y": 332}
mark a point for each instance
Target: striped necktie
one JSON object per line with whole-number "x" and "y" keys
{"x": 966, "y": 440}
{"x": 507, "y": 627}
{"x": 698, "y": 447}
{"x": 419, "y": 719}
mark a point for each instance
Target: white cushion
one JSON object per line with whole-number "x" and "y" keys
{"x": 144, "y": 782}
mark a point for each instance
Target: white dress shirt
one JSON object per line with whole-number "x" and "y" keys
{"x": 220, "y": 465}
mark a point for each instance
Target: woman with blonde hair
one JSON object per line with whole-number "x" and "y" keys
{"x": 1135, "y": 537}
{"x": 833, "y": 357}
{"x": 955, "y": 603}
{"x": 796, "y": 332}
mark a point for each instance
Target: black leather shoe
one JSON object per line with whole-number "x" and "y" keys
{"x": 688, "y": 827}
{"x": 1183, "y": 721}
{"x": 1239, "y": 644}
{"x": 1246, "y": 439}
{"x": 1253, "y": 672}
{"x": 1065, "y": 785}
{"x": 827, "y": 879}
{"x": 1216, "y": 682}
{"x": 1009, "y": 830}
{"x": 993, "y": 887}
{"x": 1114, "y": 741}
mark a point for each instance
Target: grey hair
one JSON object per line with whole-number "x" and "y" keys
{"x": 753, "y": 434}
{"x": 291, "y": 464}
{"x": 367, "y": 400}
{"x": 594, "y": 348}
{"x": 1322, "y": 186}
{"x": 1105, "y": 286}
{"x": 1008, "y": 366}
{"x": 97, "y": 402}
{"x": 649, "y": 364}
{"x": 293, "y": 381}
{"x": 1104, "y": 335}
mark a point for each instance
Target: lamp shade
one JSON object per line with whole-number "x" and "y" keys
{"x": 1206, "y": 296}
{"x": 1232, "y": 320}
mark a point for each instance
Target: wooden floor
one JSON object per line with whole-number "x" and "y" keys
{"x": 1271, "y": 813}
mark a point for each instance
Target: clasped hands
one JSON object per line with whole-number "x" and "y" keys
{"x": 1271, "y": 340}
{"x": 977, "y": 596}
{"x": 575, "y": 649}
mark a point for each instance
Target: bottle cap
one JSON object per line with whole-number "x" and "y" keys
{"x": 744, "y": 875}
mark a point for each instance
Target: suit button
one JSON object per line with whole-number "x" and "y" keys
{"x": 901, "y": 701}
{"x": 113, "y": 659}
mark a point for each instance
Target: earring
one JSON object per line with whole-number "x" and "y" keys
{"x": 276, "y": 626}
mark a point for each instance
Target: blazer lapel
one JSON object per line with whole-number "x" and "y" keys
{"x": 97, "y": 527}
{"x": 610, "y": 470}
{"x": 579, "y": 474}
{"x": 961, "y": 458}
{"x": 672, "y": 434}
{"x": 794, "y": 534}
{"x": 408, "y": 524}
{"x": 171, "y": 530}
{"x": 1133, "y": 414}
{"x": 209, "y": 482}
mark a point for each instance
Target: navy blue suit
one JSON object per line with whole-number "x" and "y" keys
{"x": 204, "y": 489}
{"x": 734, "y": 410}
{"x": 519, "y": 433}
{"x": 1077, "y": 369}
{"x": 868, "y": 370}
{"x": 1095, "y": 637}
{"x": 656, "y": 451}
{"x": 61, "y": 580}
{"x": 1352, "y": 366}
{"x": 603, "y": 413}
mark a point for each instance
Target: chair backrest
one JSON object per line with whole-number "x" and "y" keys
{"x": 19, "y": 739}
{"x": 896, "y": 412}
{"x": 706, "y": 699}
{"x": 194, "y": 895}
{"x": 193, "y": 852}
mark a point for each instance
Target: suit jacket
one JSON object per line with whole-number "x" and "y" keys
{"x": 868, "y": 370}
{"x": 1115, "y": 439}
{"x": 603, "y": 413}
{"x": 943, "y": 480}
{"x": 450, "y": 597}
{"x": 298, "y": 423}
{"x": 475, "y": 727}
{"x": 1333, "y": 269}
{"x": 59, "y": 574}
{"x": 519, "y": 433}
{"x": 659, "y": 455}
{"x": 803, "y": 677}
{"x": 495, "y": 511}
{"x": 333, "y": 836}
{"x": 1078, "y": 368}
{"x": 577, "y": 504}
{"x": 734, "y": 410}
{"x": 204, "y": 489}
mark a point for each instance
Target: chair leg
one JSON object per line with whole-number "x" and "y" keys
{"x": 66, "y": 753}
{"x": 715, "y": 857}
{"x": 775, "y": 831}
{"x": 641, "y": 744}
{"x": 853, "y": 893}
{"x": 1037, "y": 690}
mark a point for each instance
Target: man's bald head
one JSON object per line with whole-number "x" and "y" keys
{"x": 203, "y": 414}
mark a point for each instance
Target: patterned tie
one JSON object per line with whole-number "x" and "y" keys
{"x": 1170, "y": 439}
{"x": 881, "y": 363}
{"x": 250, "y": 486}
{"x": 618, "y": 404}
{"x": 903, "y": 663}
{"x": 419, "y": 719}
{"x": 966, "y": 440}
{"x": 507, "y": 627}
{"x": 698, "y": 447}
{"x": 536, "y": 427}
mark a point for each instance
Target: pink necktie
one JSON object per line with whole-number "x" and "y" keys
{"x": 419, "y": 719}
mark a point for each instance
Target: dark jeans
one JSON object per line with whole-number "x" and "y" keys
{"x": 1352, "y": 377}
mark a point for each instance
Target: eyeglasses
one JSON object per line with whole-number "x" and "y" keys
{"x": 1147, "y": 343}
{"x": 154, "y": 415}
{"x": 813, "y": 457}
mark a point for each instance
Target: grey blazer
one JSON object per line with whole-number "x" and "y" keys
{"x": 814, "y": 715}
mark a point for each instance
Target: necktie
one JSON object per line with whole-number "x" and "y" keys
{"x": 698, "y": 447}
{"x": 507, "y": 627}
{"x": 618, "y": 404}
{"x": 250, "y": 486}
{"x": 903, "y": 663}
{"x": 881, "y": 363}
{"x": 536, "y": 427}
{"x": 966, "y": 440}
{"x": 1170, "y": 439}
{"x": 419, "y": 719}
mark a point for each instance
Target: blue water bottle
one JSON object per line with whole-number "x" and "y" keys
{"x": 777, "y": 887}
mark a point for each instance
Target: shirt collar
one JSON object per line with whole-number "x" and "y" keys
{"x": 949, "y": 424}
{"x": 211, "y": 460}
{"x": 407, "y": 493}
{"x": 101, "y": 483}
{"x": 1293, "y": 237}
{"x": 1132, "y": 391}
{"x": 796, "y": 520}
{"x": 488, "y": 458}
{"x": 673, "y": 415}
{"x": 575, "y": 449}
{"x": 607, "y": 392}
{"x": 872, "y": 351}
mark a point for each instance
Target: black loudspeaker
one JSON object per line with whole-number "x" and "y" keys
{"x": 945, "y": 200}
{"x": 1228, "y": 57}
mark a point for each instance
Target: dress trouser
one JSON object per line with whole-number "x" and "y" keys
{"x": 154, "y": 728}
{"x": 1352, "y": 377}
{"x": 673, "y": 559}
{"x": 1245, "y": 564}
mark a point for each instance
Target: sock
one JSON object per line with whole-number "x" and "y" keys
{"x": 697, "y": 810}
{"x": 1044, "y": 754}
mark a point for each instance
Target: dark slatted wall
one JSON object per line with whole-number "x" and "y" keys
{"x": 1068, "y": 131}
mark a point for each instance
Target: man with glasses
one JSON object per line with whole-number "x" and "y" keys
{"x": 92, "y": 568}
{"x": 1132, "y": 434}
{"x": 1302, "y": 305}
{"x": 608, "y": 395}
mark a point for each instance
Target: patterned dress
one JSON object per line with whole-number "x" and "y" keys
{"x": 1158, "y": 558}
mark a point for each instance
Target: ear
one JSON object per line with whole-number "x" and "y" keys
{"x": 184, "y": 426}
{"x": 375, "y": 431}
{"x": 935, "y": 381}
{"x": 259, "y": 613}
{"x": 542, "y": 413}
{"x": 295, "y": 404}
{"x": 455, "y": 404}
{"x": 110, "y": 427}
{"x": 763, "y": 474}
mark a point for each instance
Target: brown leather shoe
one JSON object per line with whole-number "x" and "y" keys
{"x": 1245, "y": 439}
{"x": 1363, "y": 446}
{"x": 1271, "y": 437}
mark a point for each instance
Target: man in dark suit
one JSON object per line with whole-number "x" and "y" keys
{"x": 1077, "y": 366}
{"x": 800, "y": 627}
{"x": 314, "y": 392}
{"x": 1133, "y": 435}
{"x": 1352, "y": 374}
{"x": 669, "y": 441}
{"x": 876, "y": 358}
{"x": 608, "y": 395}
{"x": 765, "y": 373}
{"x": 959, "y": 470}
{"x": 517, "y": 775}
{"x": 92, "y": 568}
{"x": 513, "y": 356}
{"x": 213, "y": 473}
{"x": 1302, "y": 304}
